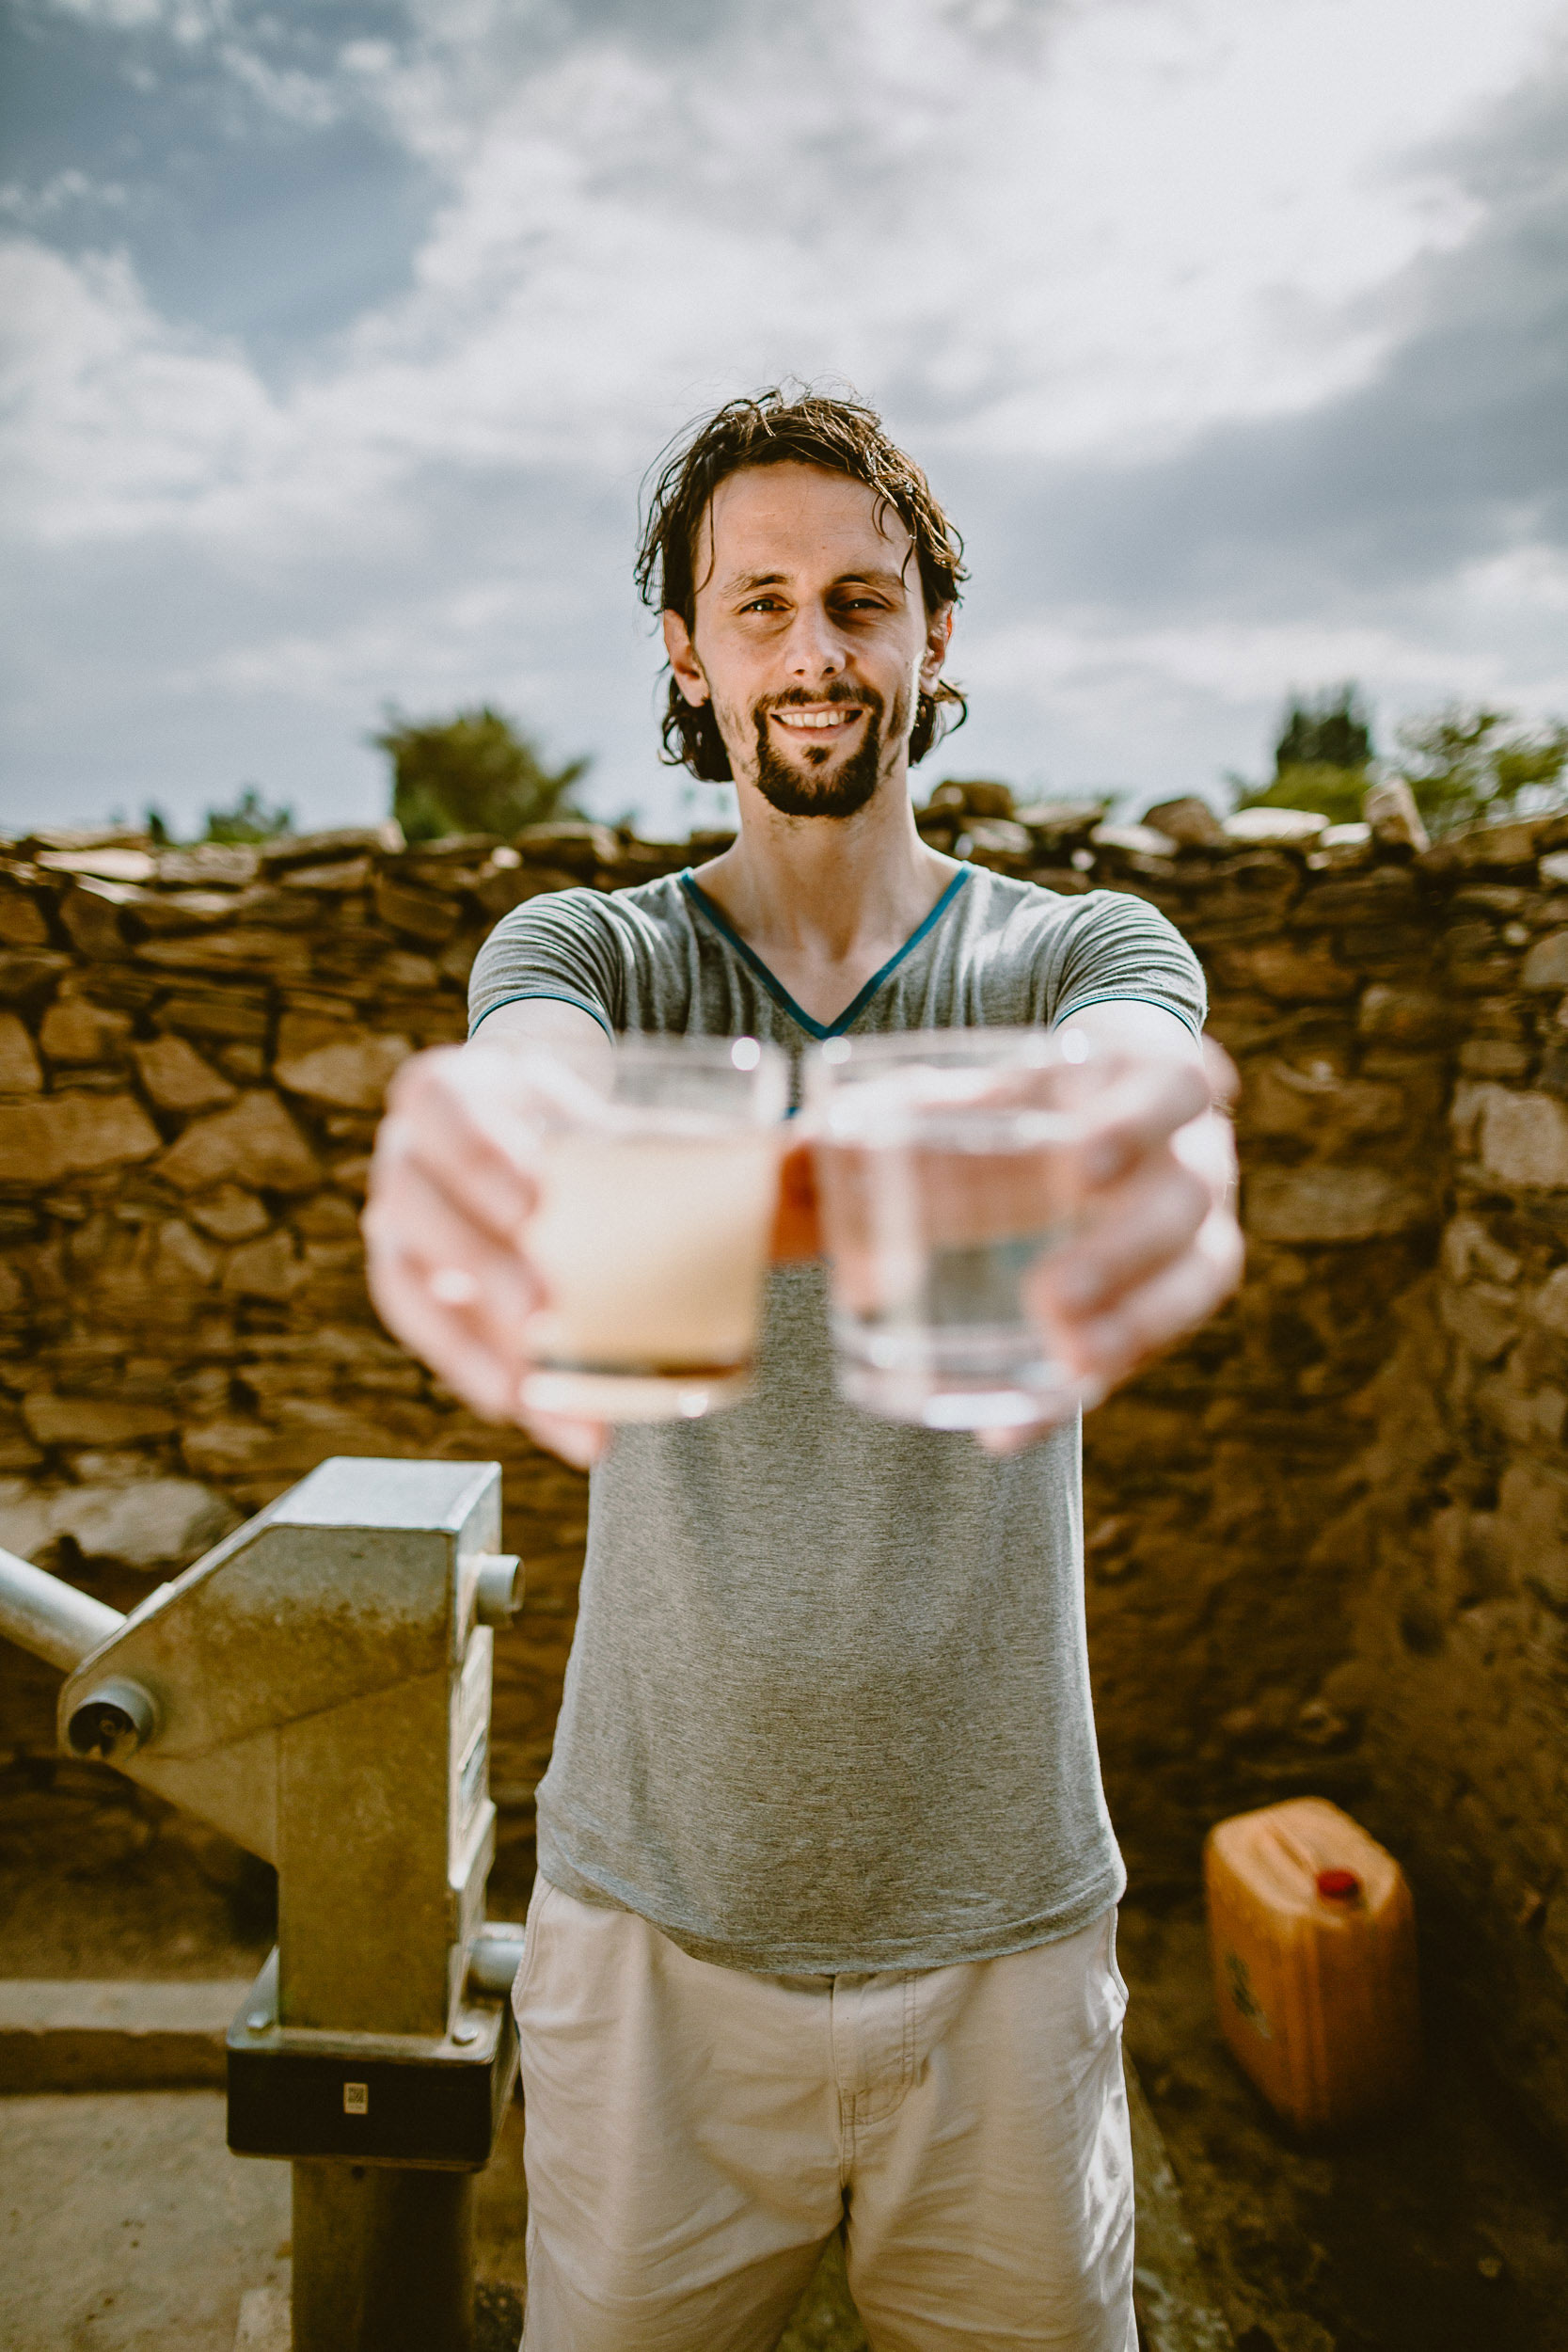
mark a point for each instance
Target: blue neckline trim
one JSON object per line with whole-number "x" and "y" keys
{"x": 776, "y": 989}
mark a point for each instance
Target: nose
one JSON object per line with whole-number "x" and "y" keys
{"x": 815, "y": 649}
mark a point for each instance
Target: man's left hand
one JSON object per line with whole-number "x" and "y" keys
{"x": 1157, "y": 1248}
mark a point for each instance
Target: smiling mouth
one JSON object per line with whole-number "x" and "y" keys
{"x": 821, "y": 724}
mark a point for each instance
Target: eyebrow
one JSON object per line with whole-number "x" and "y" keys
{"x": 742, "y": 583}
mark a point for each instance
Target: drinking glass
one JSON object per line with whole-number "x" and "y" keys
{"x": 943, "y": 1178}
{"x": 657, "y": 1168}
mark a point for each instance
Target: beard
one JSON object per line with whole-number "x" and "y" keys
{"x": 844, "y": 793}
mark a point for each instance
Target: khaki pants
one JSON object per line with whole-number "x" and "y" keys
{"x": 695, "y": 2135}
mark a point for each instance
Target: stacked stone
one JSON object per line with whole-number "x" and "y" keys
{"x": 194, "y": 1049}
{"x": 1328, "y": 1539}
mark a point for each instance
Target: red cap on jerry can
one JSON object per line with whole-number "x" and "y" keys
{"x": 1338, "y": 1887}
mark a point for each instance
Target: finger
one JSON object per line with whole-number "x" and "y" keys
{"x": 1109, "y": 1346}
{"x": 459, "y": 1123}
{"x": 1127, "y": 1236}
{"x": 1225, "y": 1079}
{"x": 579, "y": 1442}
{"x": 485, "y": 1379}
{"x": 1138, "y": 1111}
{"x": 1003, "y": 1442}
{"x": 410, "y": 1220}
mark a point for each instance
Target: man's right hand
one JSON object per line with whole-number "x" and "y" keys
{"x": 446, "y": 1223}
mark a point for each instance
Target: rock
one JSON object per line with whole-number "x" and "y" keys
{"x": 333, "y": 1063}
{"x": 1469, "y": 1247}
{"x": 338, "y": 879}
{"x": 228, "y": 1214}
{"x": 1190, "y": 822}
{"x": 94, "y": 1420}
{"x": 408, "y": 975}
{"x": 233, "y": 1014}
{"x": 415, "y": 913}
{"x": 20, "y": 1073}
{"x": 233, "y": 863}
{"x": 1532, "y": 1517}
{"x": 1320, "y": 1104}
{"x": 1553, "y": 869}
{"x": 282, "y": 955}
{"x": 1389, "y": 809}
{"x": 22, "y": 920}
{"x": 1403, "y": 1016}
{"x": 148, "y": 1523}
{"x": 25, "y": 976}
{"x": 184, "y": 1258}
{"x": 264, "y": 1269}
{"x": 1062, "y": 821}
{"x": 254, "y": 1143}
{"x": 1523, "y": 1138}
{"x": 1484, "y": 1317}
{"x": 970, "y": 796}
{"x": 1274, "y": 828}
{"x": 176, "y": 1078}
{"x": 1512, "y": 843}
{"x": 77, "y": 1031}
{"x": 1289, "y": 971}
{"x": 71, "y": 1135}
{"x": 107, "y": 865}
{"x": 576, "y": 841}
{"x": 998, "y": 838}
{"x": 1547, "y": 965}
{"x": 326, "y": 848}
{"x": 1495, "y": 1057}
{"x": 1133, "y": 840}
{"x": 1549, "y": 1307}
{"x": 1332, "y": 1205}
{"x": 91, "y": 914}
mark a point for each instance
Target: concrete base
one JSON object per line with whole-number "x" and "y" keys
{"x": 126, "y": 2225}
{"x": 265, "y": 2324}
{"x": 80, "y": 2036}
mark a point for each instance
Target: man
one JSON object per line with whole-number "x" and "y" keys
{"x": 825, "y": 1924}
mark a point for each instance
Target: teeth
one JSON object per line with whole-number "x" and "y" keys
{"x": 814, "y": 717}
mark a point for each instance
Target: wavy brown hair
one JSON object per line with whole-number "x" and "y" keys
{"x": 774, "y": 428}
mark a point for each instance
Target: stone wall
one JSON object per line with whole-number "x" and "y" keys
{"x": 1328, "y": 1539}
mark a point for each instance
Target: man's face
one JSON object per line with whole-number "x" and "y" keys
{"x": 812, "y": 637}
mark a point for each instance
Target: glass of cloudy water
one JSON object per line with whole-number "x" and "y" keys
{"x": 943, "y": 1178}
{"x": 657, "y": 1168}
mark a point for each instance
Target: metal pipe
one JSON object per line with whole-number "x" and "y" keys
{"x": 383, "y": 2258}
{"x": 50, "y": 1618}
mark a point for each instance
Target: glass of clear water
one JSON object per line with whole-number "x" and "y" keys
{"x": 943, "y": 1178}
{"x": 657, "y": 1170}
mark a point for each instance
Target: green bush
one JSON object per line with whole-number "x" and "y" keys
{"x": 1467, "y": 762}
{"x": 475, "y": 773}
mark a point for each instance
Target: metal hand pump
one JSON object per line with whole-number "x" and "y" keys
{"x": 318, "y": 1686}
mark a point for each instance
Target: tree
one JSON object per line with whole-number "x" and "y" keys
{"x": 250, "y": 819}
{"x": 1323, "y": 759}
{"x": 475, "y": 773}
{"x": 1467, "y": 761}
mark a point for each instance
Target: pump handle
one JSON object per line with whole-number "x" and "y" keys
{"x": 51, "y": 1618}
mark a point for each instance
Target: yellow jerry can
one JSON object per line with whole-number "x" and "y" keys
{"x": 1312, "y": 1934}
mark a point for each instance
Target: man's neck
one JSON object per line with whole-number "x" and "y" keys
{"x": 825, "y": 901}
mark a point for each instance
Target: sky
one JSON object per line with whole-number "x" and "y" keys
{"x": 337, "y": 339}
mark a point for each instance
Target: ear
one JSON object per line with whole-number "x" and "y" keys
{"x": 939, "y": 636}
{"x": 683, "y": 659}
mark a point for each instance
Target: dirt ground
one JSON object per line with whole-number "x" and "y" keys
{"x": 1445, "y": 2229}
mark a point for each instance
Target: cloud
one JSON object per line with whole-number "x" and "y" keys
{"x": 1235, "y": 339}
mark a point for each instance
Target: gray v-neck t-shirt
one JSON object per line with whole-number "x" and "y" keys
{"x": 827, "y": 1703}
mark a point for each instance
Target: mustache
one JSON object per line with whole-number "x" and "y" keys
{"x": 801, "y": 698}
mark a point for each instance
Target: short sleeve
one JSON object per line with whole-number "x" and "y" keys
{"x": 557, "y": 946}
{"x": 1118, "y": 947}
